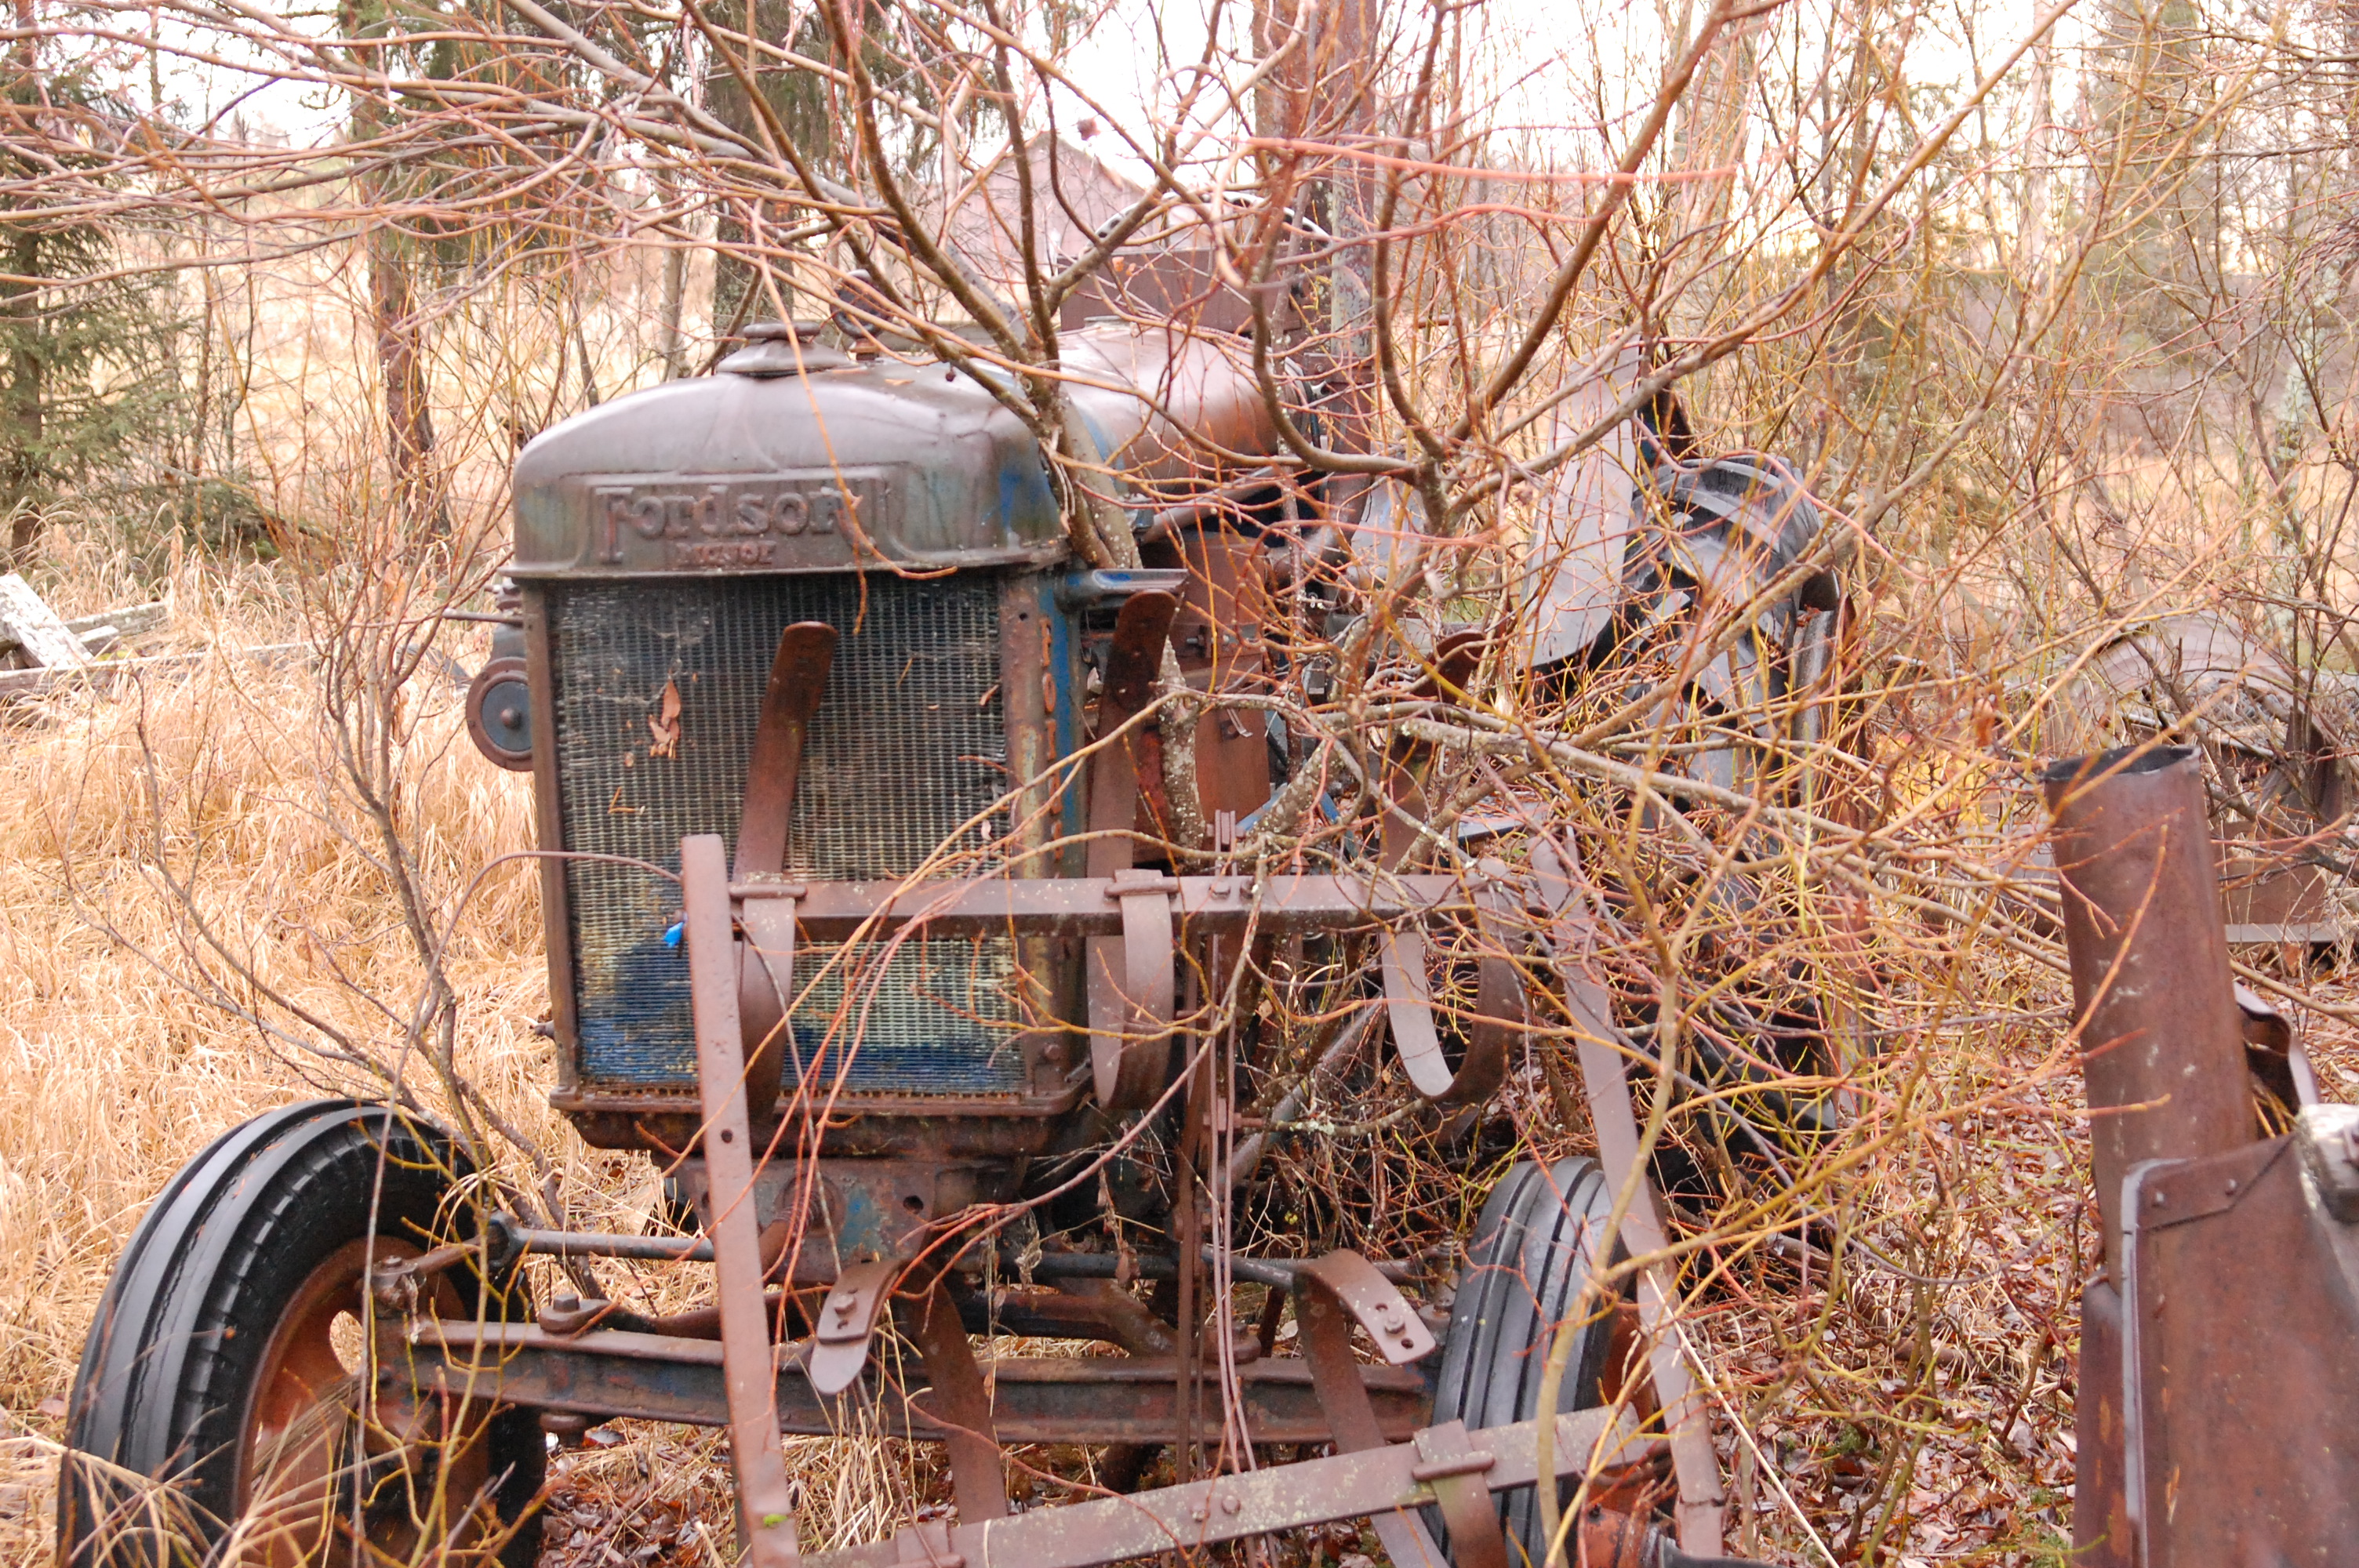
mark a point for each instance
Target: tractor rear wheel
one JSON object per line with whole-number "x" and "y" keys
{"x": 1532, "y": 1251}
{"x": 227, "y": 1406}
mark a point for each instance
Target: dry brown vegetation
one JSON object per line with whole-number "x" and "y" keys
{"x": 2053, "y": 316}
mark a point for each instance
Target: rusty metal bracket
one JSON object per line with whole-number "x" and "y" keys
{"x": 765, "y": 1504}
{"x": 847, "y": 1321}
{"x": 1124, "y": 1059}
{"x": 1453, "y": 1467}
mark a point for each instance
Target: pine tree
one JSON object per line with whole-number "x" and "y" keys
{"x": 86, "y": 379}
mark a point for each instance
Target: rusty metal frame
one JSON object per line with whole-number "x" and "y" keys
{"x": 743, "y": 923}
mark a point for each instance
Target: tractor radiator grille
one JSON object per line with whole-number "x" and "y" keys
{"x": 906, "y": 747}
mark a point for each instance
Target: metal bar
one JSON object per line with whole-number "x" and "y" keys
{"x": 1277, "y": 1271}
{"x": 1376, "y": 1483}
{"x": 1693, "y": 1461}
{"x": 1055, "y": 1398}
{"x": 765, "y": 1502}
{"x": 1086, "y": 906}
{"x": 610, "y": 1244}
{"x": 961, "y": 1407}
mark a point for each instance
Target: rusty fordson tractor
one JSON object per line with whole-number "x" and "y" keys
{"x": 863, "y": 924}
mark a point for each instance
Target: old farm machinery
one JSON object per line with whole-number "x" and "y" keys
{"x": 864, "y": 924}
{"x": 2207, "y": 1434}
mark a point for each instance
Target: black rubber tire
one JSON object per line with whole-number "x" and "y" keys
{"x": 1532, "y": 1250}
{"x": 169, "y": 1372}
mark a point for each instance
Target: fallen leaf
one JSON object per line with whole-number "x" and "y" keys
{"x": 665, "y": 725}
{"x": 54, "y": 1407}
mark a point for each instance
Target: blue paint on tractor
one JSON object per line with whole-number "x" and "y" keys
{"x": 1061, "y": 660}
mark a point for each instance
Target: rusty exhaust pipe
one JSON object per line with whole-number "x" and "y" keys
{"x": 2161, "y": 1046}
{"x": 2161, "y": 1037}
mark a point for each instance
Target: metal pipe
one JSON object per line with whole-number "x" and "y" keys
{"x": 2160, "y": 1035}
{"x": 1275, "y": 1272}
{"x": 607, "y": 1244}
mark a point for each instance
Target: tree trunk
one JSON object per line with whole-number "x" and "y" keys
{"x": 417, "y": 486}
{"x": 670, "y": 343}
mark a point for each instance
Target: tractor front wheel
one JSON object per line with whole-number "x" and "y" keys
{"x": 229, "y": 1405}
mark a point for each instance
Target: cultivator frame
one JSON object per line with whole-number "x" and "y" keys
{"x": 587, "y": 1359}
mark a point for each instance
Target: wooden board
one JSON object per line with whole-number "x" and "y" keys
{"x": 36, "y": 627}
{"x": 128, "y": 622}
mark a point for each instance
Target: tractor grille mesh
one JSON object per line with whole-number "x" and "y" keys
{"x": 906, "y": 749}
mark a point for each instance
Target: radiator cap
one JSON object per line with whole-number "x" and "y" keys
{"x": 781, "y": 348}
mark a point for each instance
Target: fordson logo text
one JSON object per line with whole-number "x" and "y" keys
{"x": 744, "y": 522}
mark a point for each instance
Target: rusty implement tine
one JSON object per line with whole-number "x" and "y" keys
{"x": 1408, "y": 1008}
{"x": 1330, "y": 1295}
{"x": 1453, "y": 1467}
{"x": 770, "y": 938}
{"x": 961, "y": 1404}
{"x": 764, "y": 1505}
{"x": 1490, "y": 1032}
{"x": 847, "y": 1320}
{"x": 1139, "y": 634}
{"x": 798, "y": 681}
{"x": 1571, "y": 929}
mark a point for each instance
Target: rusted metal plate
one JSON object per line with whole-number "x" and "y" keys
{"x": 2241, "y": 1351}
{"x": 2101, "y": 1524}
{"x": 1378, "y": 1483}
